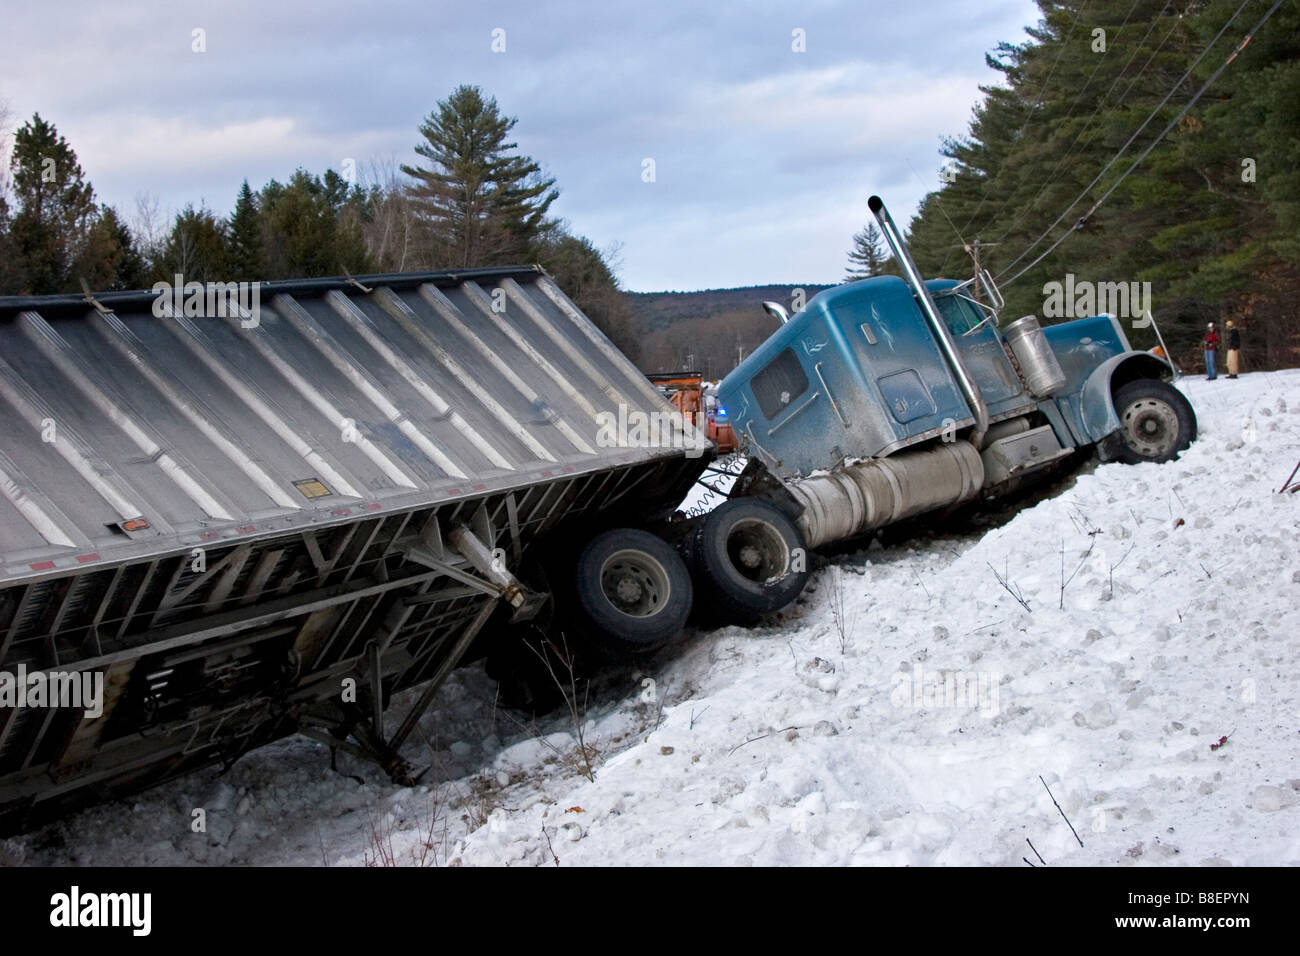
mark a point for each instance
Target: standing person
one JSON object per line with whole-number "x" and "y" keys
{"x": 1211, "y": 345}
{"x": 1234, "y": 350}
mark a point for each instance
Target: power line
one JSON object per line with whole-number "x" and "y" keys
{"x": 1181, "y": 113}
{"x": 1136, "y": 133}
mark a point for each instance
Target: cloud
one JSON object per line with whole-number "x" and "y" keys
{"x": 764, "y": 156}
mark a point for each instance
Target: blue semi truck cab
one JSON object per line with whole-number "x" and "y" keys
{"x": 894, "y": 395}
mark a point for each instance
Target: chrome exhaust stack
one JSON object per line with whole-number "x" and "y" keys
{"x": 912, "y": 276}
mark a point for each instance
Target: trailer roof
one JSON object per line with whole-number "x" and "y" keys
{"x": 134, "y": 423}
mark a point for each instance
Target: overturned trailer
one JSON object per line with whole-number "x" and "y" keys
{"x": 272, "y": 517}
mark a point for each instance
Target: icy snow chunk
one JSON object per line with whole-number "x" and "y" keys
{"x": 220, "y": 797}
{"x": 814, "y": 803}
{"x": 1138, "y": 698}
{"x": 1099, "y": 715}
{"x": 1271, "y": 799}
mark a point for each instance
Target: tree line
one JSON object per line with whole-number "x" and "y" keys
{"x": 474, "y": 200}
{"x": 1210, "y": 218}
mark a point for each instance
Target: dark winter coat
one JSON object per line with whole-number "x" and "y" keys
{"x": 1234, "y": 339}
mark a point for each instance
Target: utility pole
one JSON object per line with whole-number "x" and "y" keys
{"x": 973, "y": 250}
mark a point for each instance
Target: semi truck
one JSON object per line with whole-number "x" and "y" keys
{"x": 894, "y": 396}
{"x": 224, "y": 520}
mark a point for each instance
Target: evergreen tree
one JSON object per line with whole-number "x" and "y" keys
{"x": 1210, "y": 217}
{"x": 246, "y": 254}
{"x": 485, "y": 204}
{"x": 312, "y": 227}
{"x": 55, "y": 208}
{"x": 110, "y": 260}
{"x": 868, "y": 256}
{"x": 197, "y": 249}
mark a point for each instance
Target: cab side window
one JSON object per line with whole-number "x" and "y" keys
{"x": 779, "y": 383}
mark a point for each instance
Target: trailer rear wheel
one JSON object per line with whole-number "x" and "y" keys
{"x": 1156, "y": 421}
{"x": 749, "y": 558}
{"x": 634, "y": 591}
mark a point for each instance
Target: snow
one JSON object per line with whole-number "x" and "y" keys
{"x": 902, "y": 713}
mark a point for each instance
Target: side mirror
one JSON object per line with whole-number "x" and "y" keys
{"x": 776, "y": 311}
{"x": 995, "y": 294}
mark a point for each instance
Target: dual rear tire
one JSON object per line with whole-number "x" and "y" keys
{"x": 749, "y": 558}
{"x": 634, "y": 592}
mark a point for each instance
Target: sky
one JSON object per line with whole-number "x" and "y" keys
{"x": 763, "y": 154}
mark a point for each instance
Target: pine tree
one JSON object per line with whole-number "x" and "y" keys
{"x": 55, "y": 208}
{"x": 197, "y": 249}
{"x": 867, "y": 258}
{"x": 246, "y": 255}
{"x": 485, "y": 204}
{"x": 312, "y": 226}
{"x": 110, "y": 260}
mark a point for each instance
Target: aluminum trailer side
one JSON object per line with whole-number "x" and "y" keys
{"x": 247, "y": 522}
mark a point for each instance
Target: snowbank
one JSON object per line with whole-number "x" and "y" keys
{"x": 901, "y": 714}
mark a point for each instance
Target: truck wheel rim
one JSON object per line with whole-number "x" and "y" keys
{"x": 1150, "y": 427}
{"x": 757, "y": 550}
{"x": 635, "y": 583}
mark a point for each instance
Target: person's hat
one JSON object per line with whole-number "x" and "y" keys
{"x": 1230, "y": 323}
{"x": 1210, "y": 326}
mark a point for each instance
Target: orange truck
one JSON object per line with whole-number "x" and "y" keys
{"x": 686, "y": 392}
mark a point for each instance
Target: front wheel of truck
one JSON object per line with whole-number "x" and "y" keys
{"x": 634, "y": 592}
{"x": 749, "y": 558}
{"x": 1156, "y": 421}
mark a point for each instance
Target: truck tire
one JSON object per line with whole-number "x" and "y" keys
{"x": 633, "y": 591}
{"x": 749, "y": 558}
{"x": 1156, "y": 421}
